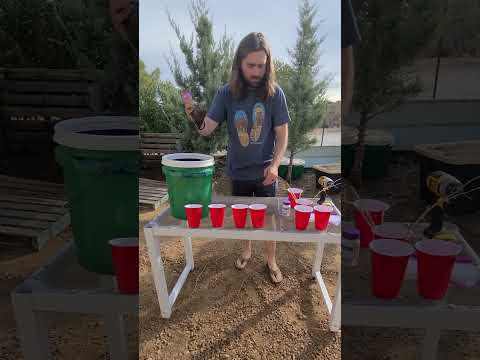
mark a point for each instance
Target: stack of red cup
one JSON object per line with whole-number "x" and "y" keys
{"x": 389, "y": 259}
{"x": 367, "y": 214}
{"x": 257, "y": 215}
{"x": 293, "y": 195}
{"x": 322, "y": 216}
{"x": 239, "y": 213}
{"x": 435, "y": 262}
{"x": 217, "y": 214}
{"x": 302, "y": 216}
{"x": 194, "y": 214}
{"x": 126, "y": 264}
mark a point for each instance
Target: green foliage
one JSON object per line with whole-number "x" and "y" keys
{"x": 283, "y": 73}
{"x": 54, "y": 34}
{"x": 209, "y": 63}
{"x": 393, "y": 33}
{"x": 458, "y": 31}
{"x": 305, "y": 93}
{"x": 161, "y": 108}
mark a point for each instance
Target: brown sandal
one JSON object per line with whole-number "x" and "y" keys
{"x": 275, "y": 276}
{"x": 241, "y": 262}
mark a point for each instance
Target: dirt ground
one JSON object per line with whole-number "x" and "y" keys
{"x": 224, "y": 313}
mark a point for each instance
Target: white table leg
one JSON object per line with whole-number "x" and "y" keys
{"x": 115, "y": 326}
{"x": 187, "y": 243}
{"x": 336, "y": 314}
{"x": 158, "y": 273}
{"x": 32, "y": 329}
{"x": 430, "y": 344}
{"x": 317, "y": 260}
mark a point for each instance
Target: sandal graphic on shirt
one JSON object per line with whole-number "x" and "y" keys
{"x": 241, "y": 124}
{"x": 258, "y": 116}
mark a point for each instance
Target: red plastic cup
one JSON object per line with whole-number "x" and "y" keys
{"x": 217, "y": 214}
{"x": 293, "y": 195}
{"x": 389, "y": 261}
{"x": 435, "y": 260}
{"x": 395, "y": 231}
{"x": 257, "y": 215}
{"x": 194, "y": 214}
{"x": 322, "y": 216}
{"x": 125, "y": 264}
{"x": 302, "y": 216}
{"x": 375, "y": 210}
{"x": 239, "y": 212}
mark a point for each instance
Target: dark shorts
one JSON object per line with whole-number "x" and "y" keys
{"x": 253, "y": 188}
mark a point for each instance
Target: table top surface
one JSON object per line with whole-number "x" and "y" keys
{"x": 277, "y": 227}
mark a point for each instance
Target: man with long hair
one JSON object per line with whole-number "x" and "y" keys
{"x": 256, "y": 112}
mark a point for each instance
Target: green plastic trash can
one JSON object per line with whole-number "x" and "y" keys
{"x": 349, "y": 143}
{"x": 377, "y": 154}
{"x": 100, "y": 160}
{"x": 189, "y": 181}
{"x": 298, "y": 167}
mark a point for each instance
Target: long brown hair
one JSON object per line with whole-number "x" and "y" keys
{"x": 254, "y": 41}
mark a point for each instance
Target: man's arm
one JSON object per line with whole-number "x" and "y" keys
{"x": 281, "y": 142}
{"x": 208, "y": 126}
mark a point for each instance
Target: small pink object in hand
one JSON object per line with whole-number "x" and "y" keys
{"x": 186, "y": 96}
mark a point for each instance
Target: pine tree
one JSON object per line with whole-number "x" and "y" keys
{"x": 304, "y": 92}
{"x": 209, "y": 63}
{"x": 160, "y": 107}
{"x": 393, "y": 33}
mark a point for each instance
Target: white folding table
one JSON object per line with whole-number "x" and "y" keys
{"x": 277, "y": 227}
{"x": 458, "y": 310}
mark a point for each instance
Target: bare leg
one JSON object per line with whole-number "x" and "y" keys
{"x": 247, "y": 249}
{"x": 270, "y": 247}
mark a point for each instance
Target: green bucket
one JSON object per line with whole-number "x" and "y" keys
{"x": 100, "y": 161}
{"x": 298, "y": 167}
{"x": 189, "y": 181}
{"x": 377, "y": 155}
{"x": 349, "y": 143}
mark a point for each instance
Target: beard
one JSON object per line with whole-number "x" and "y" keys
{"x": 254, "y": 83}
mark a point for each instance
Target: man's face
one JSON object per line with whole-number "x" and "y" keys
{"x": 254, "y": 67}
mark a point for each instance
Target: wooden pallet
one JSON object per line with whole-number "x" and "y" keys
{"x": 34, "y": 99}
{"x": 154, "y": 145}
{"x": 31, "y": 209}
{"x": 152, "y": 193}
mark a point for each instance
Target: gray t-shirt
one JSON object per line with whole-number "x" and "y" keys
{"x": 250, "y": 124}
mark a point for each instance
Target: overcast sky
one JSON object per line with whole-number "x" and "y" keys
{"x": 277, "y": 19}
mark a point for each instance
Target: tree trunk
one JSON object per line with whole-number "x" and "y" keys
{"x": 323, "y": 132}
{"x": 356, "y": 172}
{"x": 437, "y": 69}
{"x": 290, "y": 168}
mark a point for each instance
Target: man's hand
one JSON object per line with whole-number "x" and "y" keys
{"x": 270, "y": 174}
{"x": 188, "y": 108}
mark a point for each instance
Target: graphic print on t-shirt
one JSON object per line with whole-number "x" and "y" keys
{"x": 241, "y": 124}
{"x": 258, "y": 116}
